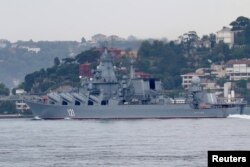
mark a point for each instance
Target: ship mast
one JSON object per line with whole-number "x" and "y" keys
{"x": 106, "y": 68}
{"x": 132, "y": 71}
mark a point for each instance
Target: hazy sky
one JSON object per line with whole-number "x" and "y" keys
{"x": 73, "y": 19}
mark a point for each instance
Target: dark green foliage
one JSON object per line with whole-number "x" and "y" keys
{"x": 220, "y": 53}
{"x": 221, "y": 81}
{"x": 17, "y": 61}
{"x": 241, "y": 84}
{"x": 247, "y": 34}
{"x": 68, "y": 60}
{"x": 89, "y": 56}
{"x": 4, "y": 91}
{"x": 239, "y": 53}
{"x": 241, "y": 88}
{"x": 240, "y": 23}
{"x": 241, "y": 26}
{"x": 239, "y": 38}
{"x": 212, "y": 39}
{"x": 162, "y": 60}
{"x": 246, "y": 96}
{"x": 172, "y": 82}
{"x": 56, "y": 61}
{"x": 64, "y": 73}
{"x": 30, "y": 79}
{"x": 43, "y": 80}
{"x": 7, "y": 107}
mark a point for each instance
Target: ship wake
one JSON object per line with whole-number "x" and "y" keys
{"x": 239, "y": 116}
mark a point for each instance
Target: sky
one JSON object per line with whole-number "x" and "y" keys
{"x": 73, "y": 19}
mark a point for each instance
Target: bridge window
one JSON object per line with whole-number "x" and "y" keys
{"x": 77, "y": 103}
{"x": 152, "y": 84}
{"x": 104, "y": 102}
{"x": 64, "y": 103}
{"x": 90, "y": 103}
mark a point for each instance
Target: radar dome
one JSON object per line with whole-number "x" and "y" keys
{"x": 196, "y": 80}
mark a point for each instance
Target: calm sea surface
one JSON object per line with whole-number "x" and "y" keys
{"x": 115, "y": 143}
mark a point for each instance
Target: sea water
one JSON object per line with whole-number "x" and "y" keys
{"x": 119, "y": 143}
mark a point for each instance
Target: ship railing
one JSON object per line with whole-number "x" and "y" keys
{"x": 231, "y": 101}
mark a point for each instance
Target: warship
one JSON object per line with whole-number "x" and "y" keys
{"x": 103, "y": 96}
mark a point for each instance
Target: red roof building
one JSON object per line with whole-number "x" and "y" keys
{"x": 84, "y": 70}
{"x": 142, "y": 75}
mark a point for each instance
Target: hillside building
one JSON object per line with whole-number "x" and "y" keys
{"x": 238, "y": 69}
{"x": 225, "y": 35}
{"x": 84, "y": 70}
{"x": 186, "y": 79}
{"x": 99, "y": 38}
{"x": 206, "y": 83}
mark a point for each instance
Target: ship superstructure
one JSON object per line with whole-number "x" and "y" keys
{"x": 104, "y": 96}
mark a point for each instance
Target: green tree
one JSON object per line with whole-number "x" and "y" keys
{"x": 220, "y": 52}
{"x": 67, "y": 72}
{"x": 212, "y": 39}
{"x": 239, "y": 38}
{"x": 240, "y": 23}
{"x": 7, "y": 107}
{"x": 4, "y": 90}
{"x": 241, "y": 84}
{"x": 221, "y": 81}
{"x": 189, "y": 40}
{"x": 241, "y": 88}
{"x": 89, "y": 56}
{"x": 68, "y": 60}
{"x": 162, "y": 60}
{"x": 56, "y": 61}
{"x": 247, "y": 34}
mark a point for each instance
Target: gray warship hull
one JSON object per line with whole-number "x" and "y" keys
{"x": 106, "y": 97}
{"x": 45, "y": 111}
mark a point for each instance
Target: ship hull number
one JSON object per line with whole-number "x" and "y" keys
{"x": 71, "y": 112}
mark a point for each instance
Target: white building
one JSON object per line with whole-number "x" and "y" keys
{"x": 99, "y": 38}
{"x": 186, "y": 79}
{"x": 238, "y": 69}
{"x": 205, "y": 82}
{"x": 225, "y": 35}
{"x": 29, "y": 49}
